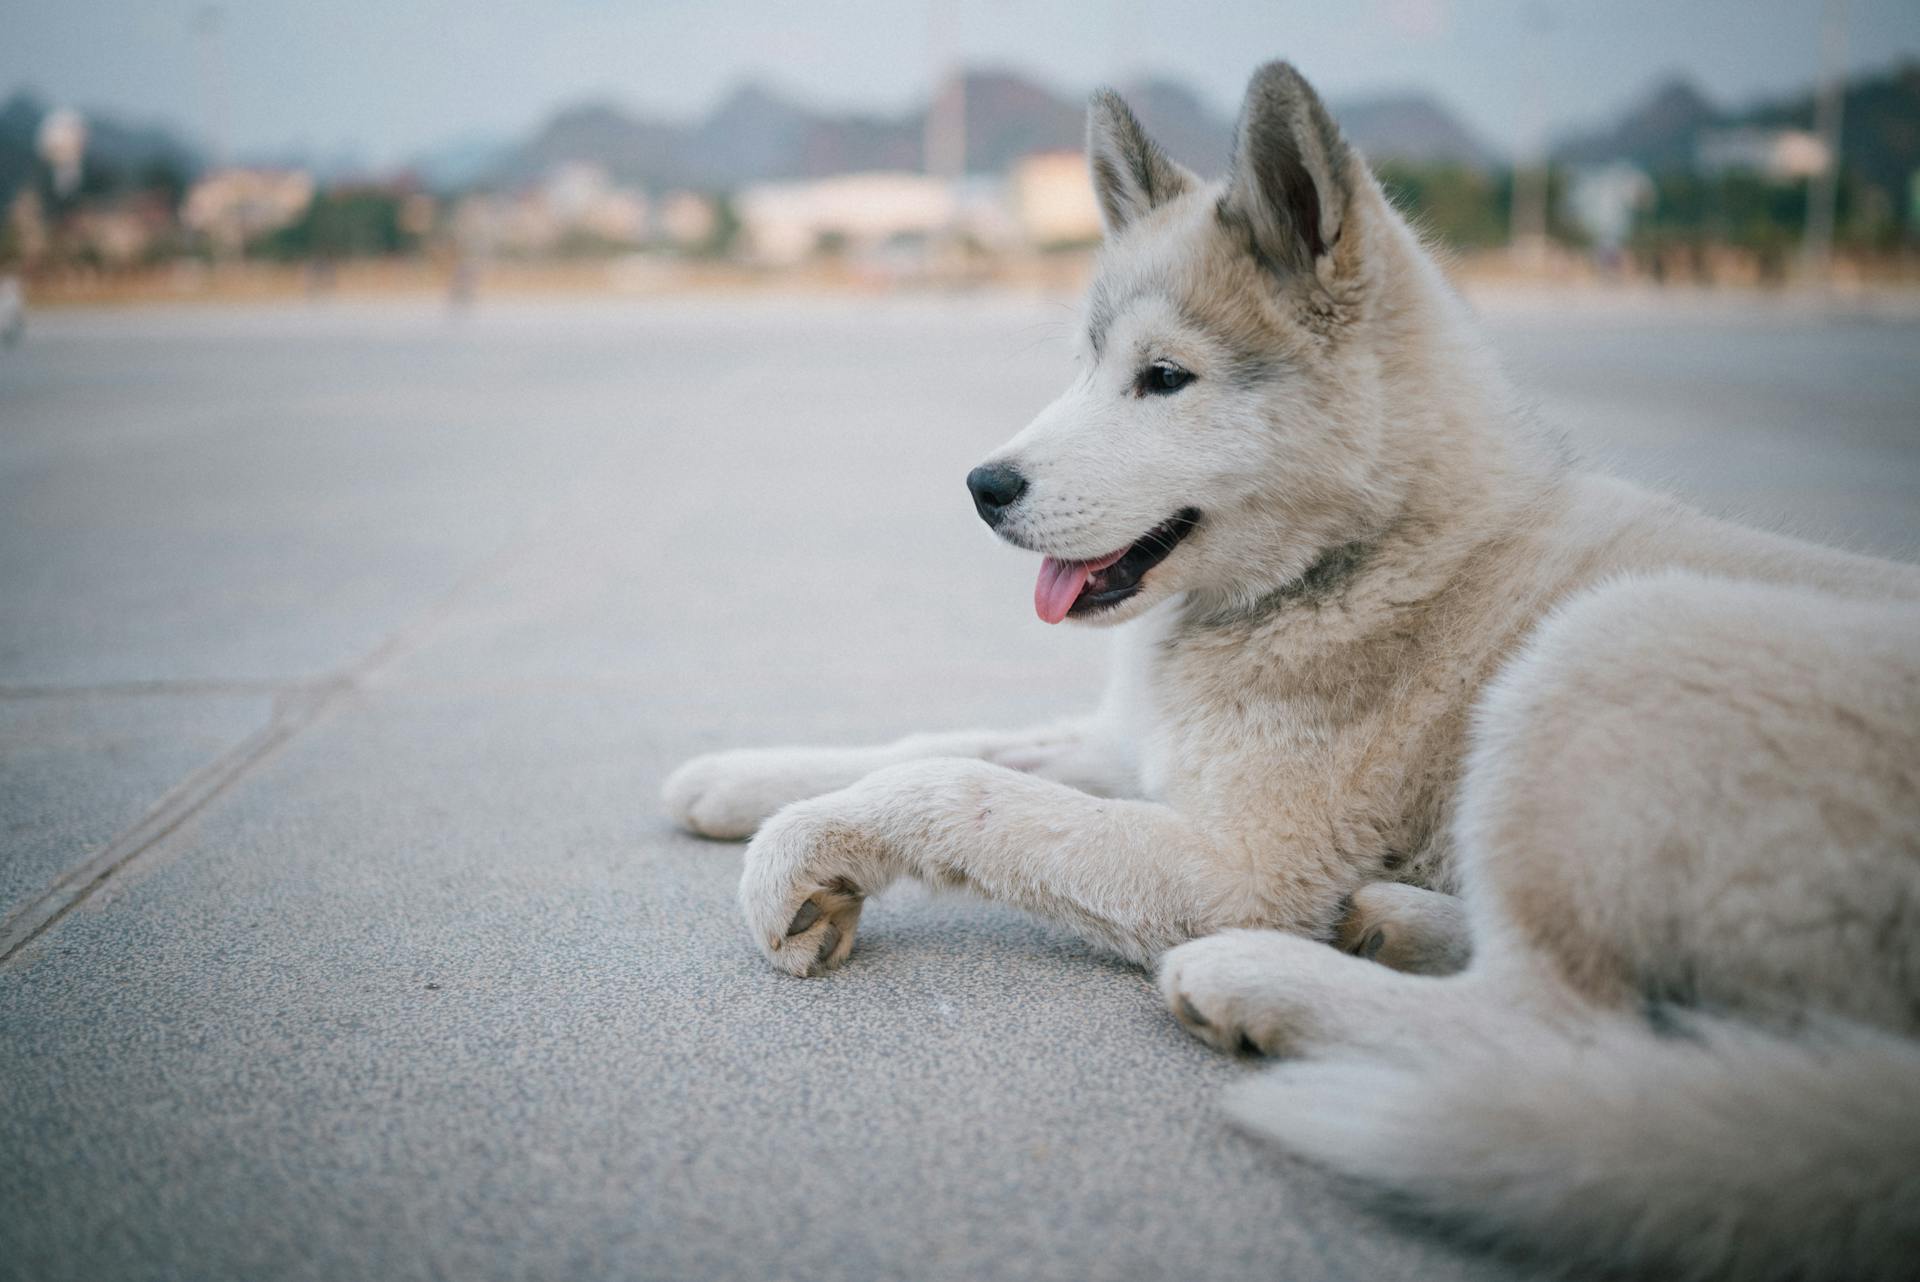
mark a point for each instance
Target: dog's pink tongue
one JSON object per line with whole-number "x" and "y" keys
{"x": 1060, "y": 584}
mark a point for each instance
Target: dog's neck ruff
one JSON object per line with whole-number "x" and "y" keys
{"x": 1331, "y": 573}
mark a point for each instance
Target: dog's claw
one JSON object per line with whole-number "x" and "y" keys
{"x": 809, "y": 913}
{"x": 822, "y": 961}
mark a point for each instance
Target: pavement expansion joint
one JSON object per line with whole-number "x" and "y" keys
{"x": 142, "y": 689}
{"x": 296, "y": 706}
{"x": 181, "y": 804}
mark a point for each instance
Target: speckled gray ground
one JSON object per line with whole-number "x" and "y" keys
{"x": 363, "y": 636}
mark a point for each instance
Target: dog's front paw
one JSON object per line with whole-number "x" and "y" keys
{"x": 728, "y": 795}
{"x": 806, "y": 878}
{"x": 1237, "y": 990}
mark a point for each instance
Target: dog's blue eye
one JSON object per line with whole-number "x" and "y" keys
{"x": 1160, "y": 379}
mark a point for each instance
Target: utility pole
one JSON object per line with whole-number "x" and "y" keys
{"x": 207, "y": 23}
{"x": 1527, "y": 224}
{"x": 944, "y": 141}
{"x": 1823, "y": 193}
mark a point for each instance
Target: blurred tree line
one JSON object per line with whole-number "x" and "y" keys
{"x": 1468, "y": 209}
{"x": 344, "y": 222}
{"x": 1690, "y": 214}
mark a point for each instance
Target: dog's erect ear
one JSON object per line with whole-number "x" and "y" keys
{"x": 1289, "y": 189}
{"x": 1131, "y": 174}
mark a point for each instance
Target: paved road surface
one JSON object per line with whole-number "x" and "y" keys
{"x": 342, "y": 651}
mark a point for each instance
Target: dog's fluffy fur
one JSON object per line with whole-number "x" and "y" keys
{"x": 1626, "y": 799}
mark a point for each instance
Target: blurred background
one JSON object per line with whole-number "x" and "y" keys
{"x": 191, "y": 150}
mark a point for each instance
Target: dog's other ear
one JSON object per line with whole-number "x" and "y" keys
{"x": 1131, "y": 174}
{"x": 1289, "y": 190}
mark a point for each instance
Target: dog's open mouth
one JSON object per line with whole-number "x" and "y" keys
{"x": 1083, "y": 587}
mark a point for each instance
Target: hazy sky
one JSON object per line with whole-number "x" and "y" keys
{"x": 390, "y": 77}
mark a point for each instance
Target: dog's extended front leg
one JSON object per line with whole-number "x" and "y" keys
{"x": 1133, "y": 875}
{"x": 730, "y": 794}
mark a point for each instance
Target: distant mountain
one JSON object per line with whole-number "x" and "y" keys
{"x": 754, "y": 134}
{"x": 1659, "y": 132}
{"x": 342, "y": 163}
{"x": 118, "y": 153}
{"x": 1181, "y": 123}
{"x": 757, "y": 134}
{"x": 1879, "y": 137}
{"x": 600, "y": 133}
{"x": 1412, "y": 128}
{"x": 129, "y": 149}
{"x": 752, "y": 131}
{"x": 459, "y": 163}
{"x": 1009, "y": 117}
{"x": 19, "y": 121}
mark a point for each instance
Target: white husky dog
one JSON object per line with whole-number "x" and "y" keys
{"x": 1611, "y": 810}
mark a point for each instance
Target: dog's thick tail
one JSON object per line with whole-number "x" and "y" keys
{"x": 1720, "y": 1151}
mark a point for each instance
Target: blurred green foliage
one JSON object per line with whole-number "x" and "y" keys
{"x": 346, "y": 222}
{"x": 726, "y": 227}
{"x": 1467, "y": 209}
{"x": 1464, "y": 208}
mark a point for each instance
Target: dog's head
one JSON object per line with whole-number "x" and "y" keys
{"x": 1222, "y": 433}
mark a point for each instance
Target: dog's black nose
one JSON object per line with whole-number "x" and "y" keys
{"x": 996, "y": 487}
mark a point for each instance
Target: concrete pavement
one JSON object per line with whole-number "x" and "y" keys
{"x": 342, "y": 650}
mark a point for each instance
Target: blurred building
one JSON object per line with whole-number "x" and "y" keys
{"x": 583, "y": 201}
{"x": 123, "y": 233}
{"x": 488, "y": 223}
{"x": 1052, "y": 199}
{"x": 27, "y": 233}
{"x": 986, "y": 218}
{"x": 233, "y": 206}
{"x": 1604, "y": 200}
{"x": 419, "y": 213}
{"x": 62, "y": 143}
{"x": 686, "y": 220}
{"x": 784, "y": 222}
{"x": 1780, "y": 155}
{"x": 576, "y": 207}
